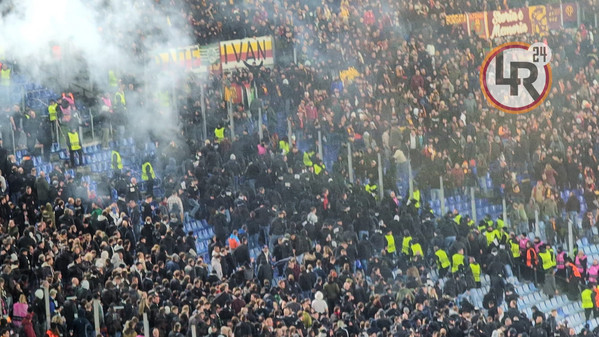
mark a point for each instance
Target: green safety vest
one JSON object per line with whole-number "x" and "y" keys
{"x": 119, "y": 163}
{"x": 490, "y": 237}
{"x": 390, "y": 243}
{"x": 416, "y": 196}
{"x": 74, "y": 140}
{"x": 547, "y": 261}
{"x": 318, "y": 168}
{"x": 52, "y": 112}
{"x": 475, "y": 268}
{"x": 119, "y": 96}
{"x": 405, "y": 245}
{"x": 417, "y": 250}
{"x": 5, "y": 77}
{"x": 219, "y": 133}
{"x": 515, "y": 248}
{"x": 144, "y": 175}
{"x": 587, "y": 299}
{"x": 113, "y": 81}
{"x": 443, "y": 259}
{"x": 457, "y": 260}
{"x": 308, "y": 158}
{"x": 500, "y": 224}
{"x": 284, "y": 146}
{"x": 164, "y": 99}
{"x": 457, "y": 219}
{"x": 371, "y": 188}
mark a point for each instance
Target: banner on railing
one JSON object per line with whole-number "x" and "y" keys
{"x": 554, "y": 17}
{"x": 508, "y": 23}
{"x": 538, "y": 20}
{"x": 193, "y": 58}
{"x": 477, "y": 23}
{"x": 569, "y": 13}
{"x": 235, "y": 54}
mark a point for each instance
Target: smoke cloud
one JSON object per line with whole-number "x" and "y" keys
{"x": 93, "y": 37}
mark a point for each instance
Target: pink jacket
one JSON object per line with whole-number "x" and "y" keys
{"x": 561, "y": 261}
{"x": 593, "y": 273}
{"x": 19, "y": 311}
{"x": 538, "y": 245}
{"x": 522, "y": 243}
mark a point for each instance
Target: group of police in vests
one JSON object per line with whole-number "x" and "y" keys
{"x": 532, "y": 261}
{"x": 309, "y": 157}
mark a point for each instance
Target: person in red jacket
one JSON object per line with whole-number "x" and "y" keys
{"x": 27, "y": 323}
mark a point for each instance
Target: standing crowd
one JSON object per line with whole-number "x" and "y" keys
{"x": 297, "y": 250}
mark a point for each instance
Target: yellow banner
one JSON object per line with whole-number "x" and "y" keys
{"x": 348, "y": 74}
{"x": 538, "y": 20}
{"x": 455, "y": 19}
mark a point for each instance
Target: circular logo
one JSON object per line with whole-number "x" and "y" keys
{"x": 516, "y": 76}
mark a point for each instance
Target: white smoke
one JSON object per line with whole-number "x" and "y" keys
{"x": 96, "y": 36}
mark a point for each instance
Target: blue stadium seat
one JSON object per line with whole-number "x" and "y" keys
{"x": 585, "y": 241}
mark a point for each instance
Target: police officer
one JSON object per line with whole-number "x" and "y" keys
{"x": 148, "y": 175}
{"x": 219, "y": 133}
{"x": 74, "y": 146}
{"x": 406, "y": 242}
{"x": 443, "y": 263}
{"x": 5, "y": 78}
{"x": 53, "y": 117}
{"x": 116, "y": 163}
{"x": 587, "y": 302}
{"x": 391, "y": 249}
{"x": 547, "y": 263}
{"x": 416, "y": 251}
{"x": 474, "y": 268}
{"x": 457, "y": 261}
{"x": 514, "y": 247}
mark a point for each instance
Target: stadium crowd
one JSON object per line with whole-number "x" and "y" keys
{"x": 297, "y": 251}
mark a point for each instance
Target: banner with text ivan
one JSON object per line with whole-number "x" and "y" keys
{"x": 192, "y": 58}
{"x": 237, "y": 54}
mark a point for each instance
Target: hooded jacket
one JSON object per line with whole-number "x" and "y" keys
{"x": 319, "y": 304}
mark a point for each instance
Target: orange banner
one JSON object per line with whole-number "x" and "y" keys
{"x": 478, "y": 24}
